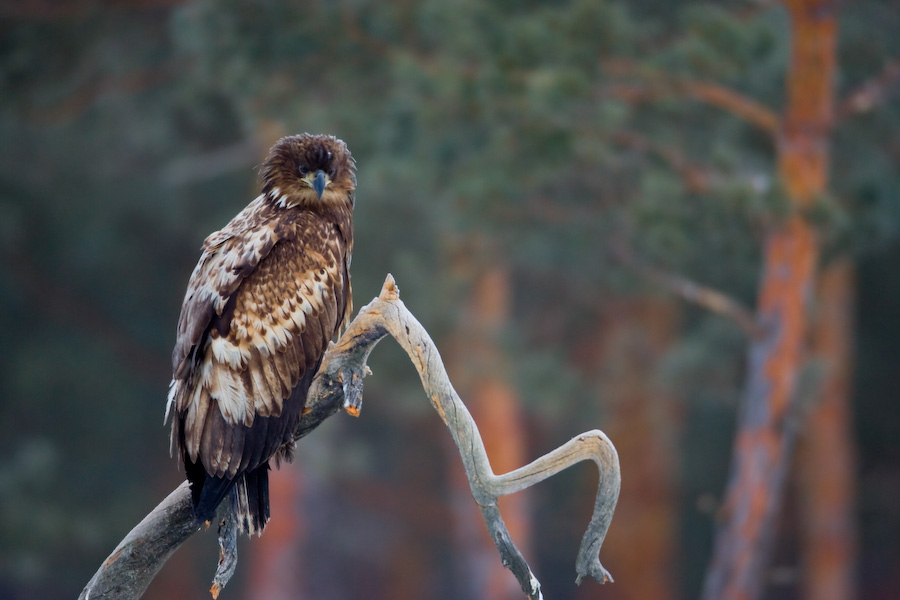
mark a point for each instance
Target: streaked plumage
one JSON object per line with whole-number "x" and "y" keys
{"x": 270, "y": 290}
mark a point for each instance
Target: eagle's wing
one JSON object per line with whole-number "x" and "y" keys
{"x": 229, "y": 255}
{"x": 272, "y": 311}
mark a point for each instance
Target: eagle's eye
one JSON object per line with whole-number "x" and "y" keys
{"x": 303, "y": 170}
{"x": 331, "y": 173}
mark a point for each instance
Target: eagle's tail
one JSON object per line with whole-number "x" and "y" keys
{"x": 249, "y": 497}
{"x": 250, "y": 500}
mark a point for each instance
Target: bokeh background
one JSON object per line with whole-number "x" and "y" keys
{"x": 527, "y": 171}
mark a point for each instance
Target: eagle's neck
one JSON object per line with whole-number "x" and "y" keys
{"x": 336, "y": 209}
{"x": 309, "y": 200}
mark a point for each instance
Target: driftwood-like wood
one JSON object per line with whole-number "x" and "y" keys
{"x": 136, "y": 560}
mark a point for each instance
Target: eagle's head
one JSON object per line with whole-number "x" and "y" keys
{"x": 310, "y": 171}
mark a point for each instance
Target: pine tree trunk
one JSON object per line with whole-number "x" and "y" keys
{"x": 628, "y": 343}
{"x": 826, "y": 457}
{"x": 276, "y": 557}
{"x": 765, "y": 435}
{"x": 485, "y": 385}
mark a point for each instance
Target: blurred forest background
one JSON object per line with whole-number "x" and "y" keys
{"x": 577, "y": 198}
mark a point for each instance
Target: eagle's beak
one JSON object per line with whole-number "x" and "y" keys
{"x": 319, "y": 182}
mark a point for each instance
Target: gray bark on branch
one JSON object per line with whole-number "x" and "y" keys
{"x": 136, "y": 560}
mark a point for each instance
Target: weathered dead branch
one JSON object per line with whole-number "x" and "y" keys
{"x": 136, "y": 560}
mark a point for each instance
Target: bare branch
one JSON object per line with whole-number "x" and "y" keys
{"x": 709, "y": 298}
{"x": 871, "y": 94}
{"x": 139, "y": 557}
{"x": 696, "y": 177}
{"x": 658, "y": 84}
{"x": 730, "y": 101}
{"x": 338, "y": 384}
{"x": 485, "y": 486}
{"x": 227, "y": 553}
{"x": 593, "y": 445}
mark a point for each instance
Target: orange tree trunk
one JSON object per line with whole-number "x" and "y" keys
{"x": 484, "y": 382}
{"x": 764, "y": 435}
{"x": 627, "y": 342}
{"x": 276, "y": 557}
{"x": 479, "y": 370}
{"x": 825, "y": 465}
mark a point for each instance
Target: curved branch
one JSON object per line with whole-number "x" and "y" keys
{"x": 592, "y": 445}
{"x": 696, "y": 177}
{"x": 338, "y": 384}
{"x": 485, "y": 486}
{"x": 656, "y": 84}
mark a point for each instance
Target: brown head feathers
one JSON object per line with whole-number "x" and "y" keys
{"x": 297, "y": 167}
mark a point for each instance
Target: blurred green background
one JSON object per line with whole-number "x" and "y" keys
{"x": 505, "y": 151}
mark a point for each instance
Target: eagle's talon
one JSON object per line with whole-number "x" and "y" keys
{"x": 352, "y": 389}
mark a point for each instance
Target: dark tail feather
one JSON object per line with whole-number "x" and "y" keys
{"x": 250, "y": 500}
{"x": 207, "y": 492}
{"x": 249, "y": 496}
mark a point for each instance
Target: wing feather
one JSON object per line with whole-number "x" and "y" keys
{"x": 211, "y": 441}
{"x": 233, "y": 454}
{"x": 289, "y": 358}
{"x": 220, "y": 452}
{"x": 284, "y": 372}
{"x": 275, "y": 387}
{"x": 263, "y": 400}
{"x": 254, "y": 455}
{"x": 193, "y": 421}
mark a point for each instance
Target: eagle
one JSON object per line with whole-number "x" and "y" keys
{"x": 271, "y": 289}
